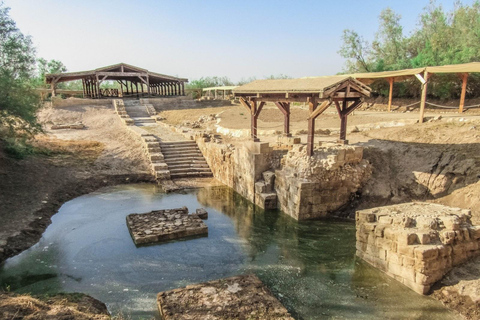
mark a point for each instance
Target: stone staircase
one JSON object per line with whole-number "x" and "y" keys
{"x": 138, "y": 113}
{"x": 184, "y": 159}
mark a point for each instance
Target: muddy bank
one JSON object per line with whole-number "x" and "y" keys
{"x": 74, "y": 306}
{"x": 27, "y": 235}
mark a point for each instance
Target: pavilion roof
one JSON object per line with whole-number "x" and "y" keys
{"x": 120, "y": 71}
{"x": 311, "y": 85}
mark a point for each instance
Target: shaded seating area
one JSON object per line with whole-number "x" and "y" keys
{"x": 319, "y": 93}
{"x": 133, "y": 82}
{"x": 423, "y": 75}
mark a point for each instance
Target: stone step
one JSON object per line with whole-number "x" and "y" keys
{"x": 152, "y": 150}
{"x": 169, "y": 155}
{"x": 180, "y": 149}
{"x": 190, "y": 174}
{"x": 179, "y": 159}
{"x": 188, "y": 165}
{"x": 175, "y": 143}
{"x": 188, "y": 161}
{"x": 184, "y": 170}
{"x": 144, "y": 120}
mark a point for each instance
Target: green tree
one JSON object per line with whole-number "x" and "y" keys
{"x": 45, "y": 67}
{"x": 206, "y": 82}
{"x": 389, "y": 44}
{"x": 357, "y": 52}
{"x": 18, "y": 100}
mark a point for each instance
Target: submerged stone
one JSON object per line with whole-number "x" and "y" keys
{"x": 241, "y": 297}
{"x": 164, "y": 225}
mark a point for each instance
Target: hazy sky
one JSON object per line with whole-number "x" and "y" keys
{"x": 237, "y": 39}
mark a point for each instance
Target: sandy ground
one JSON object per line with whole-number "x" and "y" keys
{"x": 436, "y": 161}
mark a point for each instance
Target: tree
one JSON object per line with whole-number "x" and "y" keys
{"x": 357, "y": 52}
{"x": 46, "y": 67}
{"x": 18, "y": 100}
{"x": 390, "y": 44}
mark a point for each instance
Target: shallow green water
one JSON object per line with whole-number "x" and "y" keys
{"x": 309, "y": 266}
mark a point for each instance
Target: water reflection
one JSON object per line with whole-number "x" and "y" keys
{"x": 310, "y": 266}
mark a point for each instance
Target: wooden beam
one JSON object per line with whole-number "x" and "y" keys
{"x": 318, "y": 111}
{"x": 390, "y": 81}
{"x": 97, "y": 85}
{"x": 253, "y": 120}
{"x": 464, "y": 91}
{"x": 424, "y": 96}
{"x": 148, "y": 84}
{"x": 312, "y": 106}
{"x": 285, "y": 109}
{"x": 246, "y": 104}
{"x": 121, "y": 74}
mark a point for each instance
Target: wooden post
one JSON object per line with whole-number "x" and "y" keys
{"x": 424, "y": 96}
{"x": 286, "y": 121}
{"x": 131, "y": 88}
{"x": 253, "y": 122}
{"x": 312, "y": 106}
{"x": 464, "y": 91}
{"x": 390, "y": 81}
{"x": 183, "y": 88}
{"x": 83, "y": 87}
{"x": 343, "y": 122}
{"x": 285, "y": 109}
{"x": 98, "y": 85}
{"x": 54, "y": 90}
{"x": 148, "y": 85}
{"x": 136, "y": 88}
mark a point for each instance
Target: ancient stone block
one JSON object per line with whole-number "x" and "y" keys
{"x": 202, "y": 213}
{"x": 163, "y": 225}
{"x": 242, "y": 297}
{"x": 419, "y": 242}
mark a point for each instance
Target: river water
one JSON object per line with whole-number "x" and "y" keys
{"x": 309, "y": 266}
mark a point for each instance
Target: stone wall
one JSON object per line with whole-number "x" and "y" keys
{"x": 416, "y": 243}
{"x": 311, "y": 187}
{"x": 238, "y": 167}
{"x": 181, "y": 102}
{"x": 301, "y": 186}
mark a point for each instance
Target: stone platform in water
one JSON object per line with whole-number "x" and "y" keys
{"x": 416, "y": 243}
{"x": 164, "y": 225}
{"x": 242, "y": 297}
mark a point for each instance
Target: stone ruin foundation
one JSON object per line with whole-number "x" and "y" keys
{"x": 311, "y": 187}
{"x": 282, "y": 176}
{"x": 241, "y": 297}
{"x": 164, "y": 225}
{"x": 416, "y": 243}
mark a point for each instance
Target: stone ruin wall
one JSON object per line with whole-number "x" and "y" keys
{"x": 311, "y": 187}
{"x": 301, "y": 186}
{"x": 237, "y": 167}
{"x": 416, "y": 243}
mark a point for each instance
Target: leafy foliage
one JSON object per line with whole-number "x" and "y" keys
{"x": 18, "y": 99}
{"x": 206, "y": 82}
{"x": 442, "y": 38}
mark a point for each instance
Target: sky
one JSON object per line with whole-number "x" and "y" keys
{"x": 193, "y": 39}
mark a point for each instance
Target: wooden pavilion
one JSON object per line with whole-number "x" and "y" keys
{"x": 129, "y": 77}
{"x": 423, "y": 75}
{"x": 320, "y": 92}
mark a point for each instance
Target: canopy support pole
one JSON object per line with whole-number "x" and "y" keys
{"x": 424, "y": 95}
{"x": 464, "y": 77}
{"x": 390, "y": 81}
